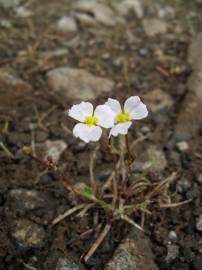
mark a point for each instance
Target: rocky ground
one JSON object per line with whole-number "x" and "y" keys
{"x": 55, "y": 53}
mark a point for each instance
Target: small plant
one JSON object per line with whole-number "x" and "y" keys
{"x": 124, "y": 193}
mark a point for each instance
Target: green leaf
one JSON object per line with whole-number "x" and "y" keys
{"x": 88, "y": 193}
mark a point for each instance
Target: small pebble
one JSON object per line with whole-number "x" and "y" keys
{"x": 199, "y": 224}
{"x": 180, "y": 266}
{"x": 145, "y": 130}
{"x": 27, "y": 234}
{"x": 193, "y": 193}
{"x": 198, "y": 262}
{"x": 182, "y": 146}
{"x": 143, "y": 52}
{"x": 172, "y": 236}
{"x": 67, "y": 24}
{"x": 118, "y": 62}
{"x": 41, "y": 136}
{"x": 23, "y": 12}
{"x": 172, "y": 253}
{"x": 106, "y": 56}
{"x": 199, "y": 178}
{"x": 188, "y": 254}
{"x": 45, "y": 179}
{"x": 183, "y": 185}
{"x": 69, "y": 264}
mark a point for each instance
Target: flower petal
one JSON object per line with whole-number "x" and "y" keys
{"x": 95, "y": 133}
{"x": 131, "y": 103}
{"x": 114, "y": 105}
{"x": 140, "y": 112}
{"x": 136, "y": 108}
{"x": 86, "y": 133}
{"x": 105, "y": 115}
{"x": 120, "y": 129}
{"x": 81, "y": 110}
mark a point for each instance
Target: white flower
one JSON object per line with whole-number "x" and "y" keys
{"x": 89, "y": 128}
{"x": 133, "y": 109}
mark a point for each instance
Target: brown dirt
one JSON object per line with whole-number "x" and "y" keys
{"x": 20, "y": 51}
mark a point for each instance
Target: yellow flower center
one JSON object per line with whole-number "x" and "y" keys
{"x": 91, "y": 120}
{"x": 123, "y": 117}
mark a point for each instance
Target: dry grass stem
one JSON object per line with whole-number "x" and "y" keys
{"x": 131, "y": 222}
{"x": 67, "y": 213}
{"x": 98, "y": 242}
{"x": 85, "y": 210}
{"x": 66, "y": 129}
{"x": 173, "y": 205}
{"x": 167, "y": 181}
{"x": 27, "y": 266}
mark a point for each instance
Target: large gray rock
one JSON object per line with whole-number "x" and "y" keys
{"x": 27, "y": 234}
{"x": 78, "y": 84}
{"x": 28, "y": 202}
{"x": 134, "y": 253}
{"x": 85, "y": 19}
{"x": 189, "y": 119}
{"x": 199, "y": 178}
{"x": 195, "y": 52}
{"x": 126, "y": 6}
{"x": 67, "y": 24}
{"x": 153, "y": 26}
{"x": 158, "y": 100}
{"x": 157, "y": 158}
{"x": 51, "y": 149}
{"x": 102, "y": 13}
{"x": 9, "y": 3}
{"x": 54, "y": 149}
{"x": 165, "y": 11}
{"x": 69, "y": 263}
{"x": 12, "y": 89}
{"x": 23, "y": 200}
{"x": 149, "y": 158}
{"x": 23, "y": 12}
{"x": 195, "y": 83}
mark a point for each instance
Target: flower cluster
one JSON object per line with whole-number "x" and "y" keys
{"x": 109, "y": 115}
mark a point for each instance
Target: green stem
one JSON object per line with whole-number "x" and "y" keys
{"x": 6, "y": 150}
{"x": 128, "y": 148}
{"x": 122, "y": 153}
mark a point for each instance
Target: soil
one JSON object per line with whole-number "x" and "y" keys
{"x": 135, "y": 68}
